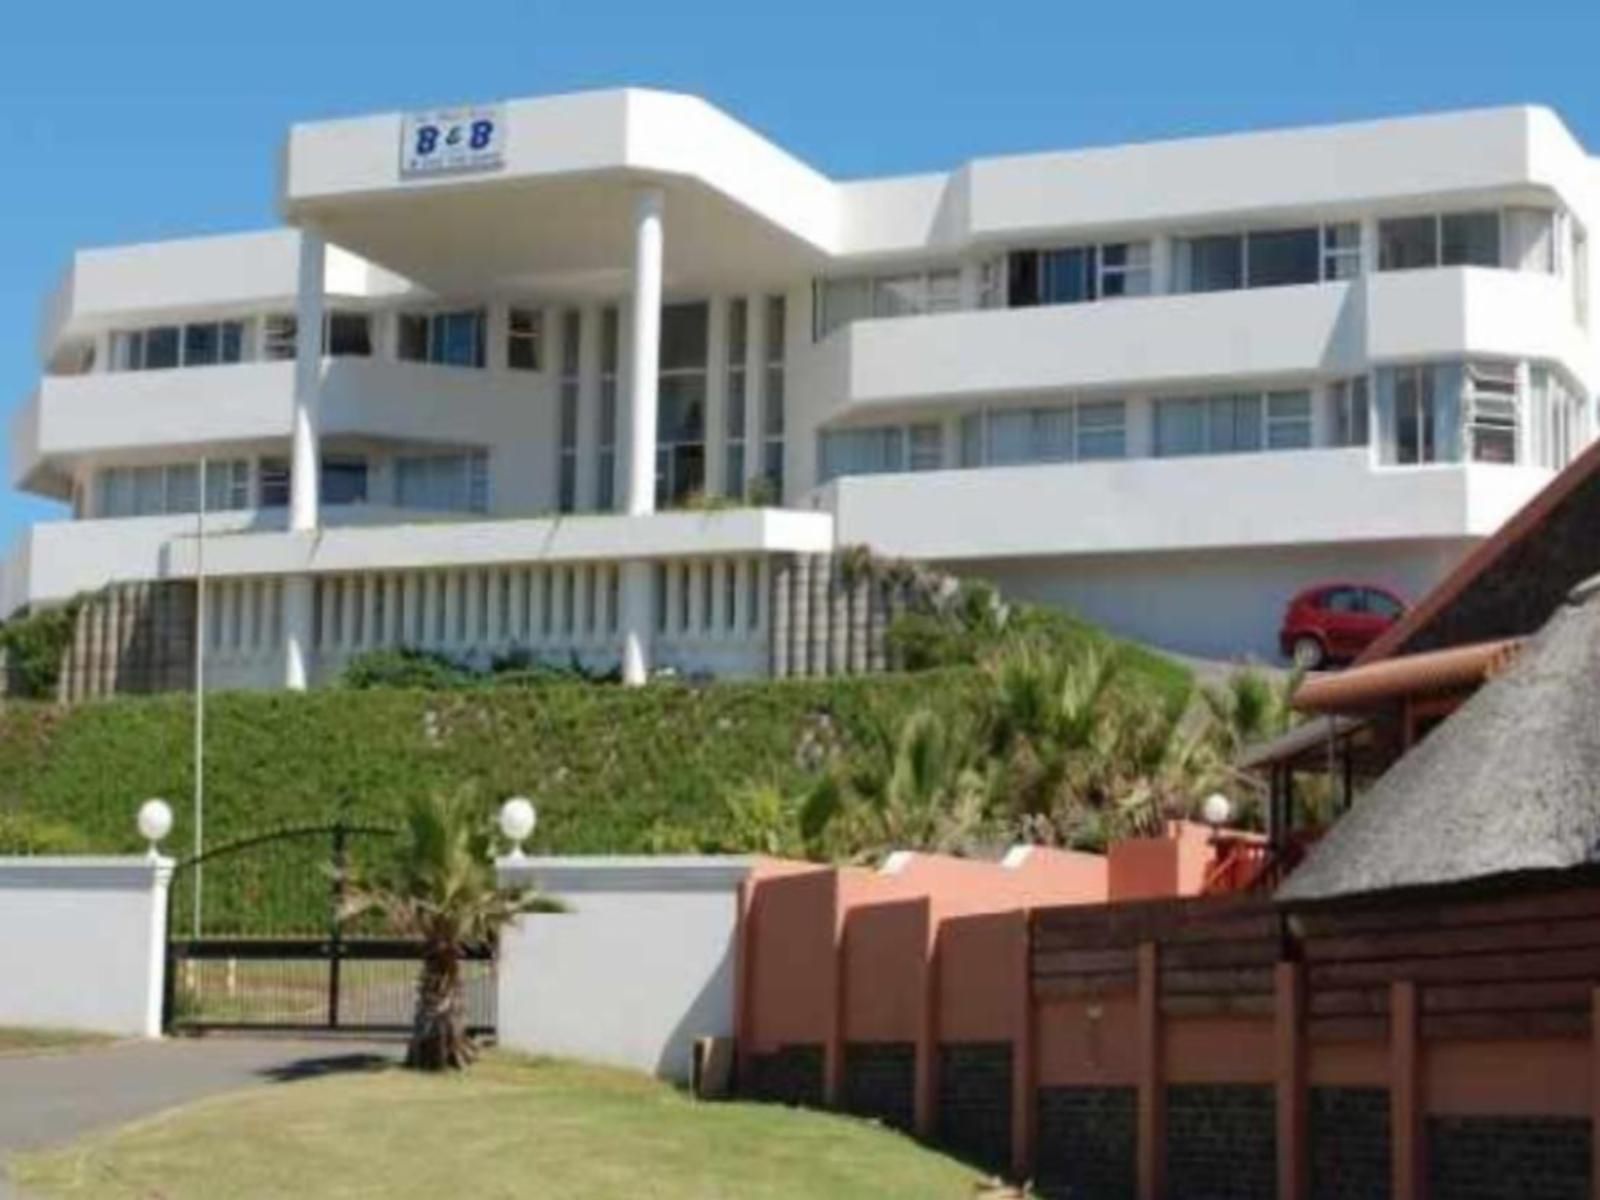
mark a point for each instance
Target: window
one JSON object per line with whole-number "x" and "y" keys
{"x": 1341, "y": 251}
{"x": 681, "y": 415}
{"x": 524, "y": 336}
{"x": 1060, "y": 433}
{"x": 1076, "y": 274}
{"x": 1532, "y": 240}
{"x": 170, "y": 488}
{"x": 1102, "y": 430}
{"x": 860, "y": 452}
{"x": 1556, "y": 423}
{"x": 344, "y": 480}
{"x": 443, "y": 482}
{"x": 733, "y": 467}
{"x": 926, "y": 446}
{"x": 772, "y": 408}
{"x": 1210, "y": 264}
{"x": 1461, "y": 239}
{"x": 452, "y": 339}
{"x": 1470, "y": 239}
{"x": 1288, "y": 420}
{"x": 606, "y": 451}
{"x": 1491, "y": 412}
{"x": 201, "y": 344}
{"x": 345, "y": 334}
{"x": 274, "y": 483}
{"x": 1415, "y": 428}
{"x": 1408, "y": 243}
{"x": 1280, "y": 257}
{"x": 567, "y": 412}
{"x": 1381, "y": 604}
{"x": 841, "y": 301}
{"x": 1351, "y": 420}
{"x": 1233, "y": 423}
{"x": 1342, "y": 600}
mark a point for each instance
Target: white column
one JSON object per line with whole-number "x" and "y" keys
{"x": 298, "y": 619}
{"x": 639, "y": 491}
{"x": 303, "y": 514}
{"x": 716, "y": 396}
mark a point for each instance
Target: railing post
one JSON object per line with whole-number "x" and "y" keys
{"x": 1288, "y": 1009}
{"x": 1152, "y": 1097}
{"x": 335, "y": 925}
{"x": 1024, "y": 1054}
{"x": 1405, "y": 1093}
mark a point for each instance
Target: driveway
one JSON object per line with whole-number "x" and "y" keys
{"x": 54, "y": 1097}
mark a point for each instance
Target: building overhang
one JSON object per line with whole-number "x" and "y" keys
{"x": 551, "y": 208}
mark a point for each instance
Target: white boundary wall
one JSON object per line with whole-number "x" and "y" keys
{"x": 643, "y": 964}
{"x": 83, "y": 943}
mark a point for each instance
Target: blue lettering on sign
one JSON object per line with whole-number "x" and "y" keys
{"x": 482, "y": 134}
{"x": 451, "y": 140}
{"x": 427, "y": 139}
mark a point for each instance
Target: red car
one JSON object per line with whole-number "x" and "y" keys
{"x": 1335, "y": 622}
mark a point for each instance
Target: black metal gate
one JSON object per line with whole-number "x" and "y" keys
{"x": 255, "y": 941}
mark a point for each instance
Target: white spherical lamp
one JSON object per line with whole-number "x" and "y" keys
{"x": 518, "y": 819}
{"x": 155, "y": 822}
{"x": 1217, "y": 810}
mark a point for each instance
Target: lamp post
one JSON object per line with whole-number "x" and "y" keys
{"x": 518, "y": 820}
{"x": 155, "y": 822}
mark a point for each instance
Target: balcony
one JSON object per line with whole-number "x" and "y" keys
{"x": 1278, "y": 498}
{"x": 1148, "y": 342}
{"x": 117, "y": 412}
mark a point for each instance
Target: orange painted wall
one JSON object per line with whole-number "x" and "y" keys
{"x": 1543, "y": 1077}
{"x": 1218, "y": 1050}
{"x": 885, "y": 961}
{"x": 789, "y": 944}
{"x": 1089, "y": 1042}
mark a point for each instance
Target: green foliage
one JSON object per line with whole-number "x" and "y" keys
{"x": 429, "y": 670}
{"x": 34, "y": 646}
{"x": 25, "y": 833}
{"x": 440, "y": 887}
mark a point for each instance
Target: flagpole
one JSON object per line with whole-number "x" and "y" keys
{"x": 199, "y": 691}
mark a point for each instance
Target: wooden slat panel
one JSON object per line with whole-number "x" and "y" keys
{"x": 1480, "y": 939}
{"x": 1556, "y": 964}
{"x": 1353, "y": 1002}
{"x": 1521, "y": 906}
{"x": 1227, "y": 981}
{"x": 1262, "y": 926}
{"x": 1084, "y": 962}
{"x": 1218, "y": 1006}
{"x": 1445, "y": 1026}
{"x": 1576, "y": 995}
{"x": 1079, "y": 987}
{"x": 1348, "y": 1029}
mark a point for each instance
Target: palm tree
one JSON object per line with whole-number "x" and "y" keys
{"x": 440, "y": 888}
{"x": 918, "y": 786}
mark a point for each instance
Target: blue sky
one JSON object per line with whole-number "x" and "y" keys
{"x": 129, "y": 122}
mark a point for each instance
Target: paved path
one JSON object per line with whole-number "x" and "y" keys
{"x": 55, "y": 1097}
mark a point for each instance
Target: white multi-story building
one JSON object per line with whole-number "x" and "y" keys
{"x": 461, "y": 399}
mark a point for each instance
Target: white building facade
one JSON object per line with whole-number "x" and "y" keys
{"x": 490, "y": 386}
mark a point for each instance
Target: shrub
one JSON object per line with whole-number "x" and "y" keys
{"x": 25, "y": 833}
{"x": 34, "y": 646}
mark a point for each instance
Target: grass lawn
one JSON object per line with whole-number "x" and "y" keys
{"x": 26, "y": 1041}
{"x": 508, "y": 1128}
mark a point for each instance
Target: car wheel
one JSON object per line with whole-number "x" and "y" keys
{"x": 1307, "y": 653}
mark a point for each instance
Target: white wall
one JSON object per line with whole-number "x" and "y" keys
{"x": 642, "y": 965}
{"x": 83, "y": 943}
{"x": 1215, "y": 604}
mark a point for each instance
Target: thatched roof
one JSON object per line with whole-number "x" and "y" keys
{"x": 1510, "y": 782}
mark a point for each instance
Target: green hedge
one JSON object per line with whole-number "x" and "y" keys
{"x": 608, "y": 766}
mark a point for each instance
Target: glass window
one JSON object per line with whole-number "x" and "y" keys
{"x": 1351, "y": 420}
{"x": 972, "y": 447}
{"x": 413, "y": 340}
{"x": 1470, "y": 239}
{"x": 202, "y": 345}
{"x": 860, "y": 452}
{"x": 1342, "y": 600}
{"x": 1233, "y": 424}
{"x": 1414, "y": 415}
{"x": 1068, "y": 276}
{"x": 274, "y": 482}
{"x": 347, "y": 335}
{"x": 160, "y": 348}
{"x": 1283, "y": 256}
{"x": 841, "y": 301}
{"x": 1492, "y": 412}
{"x": 1102, "y": 430}
{"x": 278, "y": 337}
{"x": 1531, "y": 240}
{"x": 681, "y": 415}
{"x": 1288, "y": 420}
{"x": 524, "y": 327}
{"x": 606, "y": 452}
{"x": 1211, "y": 264}
{"x": 1180, "y": 427}
{"x": 443, "y": 482}
{"x": 452, "y": 339}
{"x": 684, "y": 337}
{"x": 567, "y": 412}
{"x": 1341, "y": 251}
{"x": 1125, "y": 269}
{"x": 344, "y": 480}
{"x": 1408, "y": 243}
{"x": 733, "y": 468}
{"x": 773, "y": 400}
{"x": 927, "y": 446}
{"x": 1381, "y": 604}
{"x": 227, "y": 484}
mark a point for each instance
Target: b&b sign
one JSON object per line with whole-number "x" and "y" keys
{"x": 449, "y": 140}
